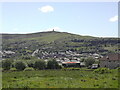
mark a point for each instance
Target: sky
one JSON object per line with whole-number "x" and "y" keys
{"x": 99, "y": 19}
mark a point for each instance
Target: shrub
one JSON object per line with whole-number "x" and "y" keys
{"x": 102, "y": 70}
{"x": 118, "y": 68}
{"x": 6, "y": 64}
{"x": 40, "y": 65}
{"x": 53, "y": 64}
{"x": 13, "y": 69}
{"x": 19, "y": 65}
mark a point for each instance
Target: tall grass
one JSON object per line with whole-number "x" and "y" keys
{"x": 59, "y": 79}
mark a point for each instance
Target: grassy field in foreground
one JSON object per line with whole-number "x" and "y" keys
{"x": 59, "y": 79}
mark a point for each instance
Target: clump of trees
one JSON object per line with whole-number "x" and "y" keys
{"x": 6, "y": 64}
{"x": 53, "y": 64}
{"x": 19, "y": 65}
{"x": 34, "y": 64}
{"x": 39, "y": 65}
{"x": 89, "y": 61}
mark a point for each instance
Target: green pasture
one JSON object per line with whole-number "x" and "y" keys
{"x": 59, "y": 79}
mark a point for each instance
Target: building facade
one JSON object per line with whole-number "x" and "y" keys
{"x": 72, "y": 63}
{"x": 111, "y": 61}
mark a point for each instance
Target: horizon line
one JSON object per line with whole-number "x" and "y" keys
{"x": 61, "y": 31}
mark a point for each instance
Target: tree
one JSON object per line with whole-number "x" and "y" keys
{"x": 82, "y": 60}
{"x": 30, "y": 63}
{"x": 52, "y": 64}
{"x": 40, "y": 65}
{"x": 89, "y": 61}
{"x": 6, "y": 64}
{"x": 19, "y": 65}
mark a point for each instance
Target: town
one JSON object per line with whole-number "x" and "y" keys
{"x": 73, "y": 59}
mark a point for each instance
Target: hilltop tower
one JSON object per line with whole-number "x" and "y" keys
{"x": 53, "y": 30}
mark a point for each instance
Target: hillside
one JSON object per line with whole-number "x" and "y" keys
{"x": 55, "y": 42}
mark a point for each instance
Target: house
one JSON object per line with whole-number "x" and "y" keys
{"x": 82, "y": 64}
{"x": 111, "y": 61}
{"x": 71, "y": 63}
{"x": 94, "y": 66}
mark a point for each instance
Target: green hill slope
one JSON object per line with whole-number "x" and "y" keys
{"x": 53, "y": 41}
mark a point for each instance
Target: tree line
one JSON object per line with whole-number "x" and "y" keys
{"x": 37, "y": 65}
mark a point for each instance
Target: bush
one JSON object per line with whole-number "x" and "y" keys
{"x": 118, "y": 68}
{"x": 19, "y": 65}
{"x": 40, "y": 65}
{"x": 6, "y": 64}
{"x": 102, "y": 70}
{"x": 52, "y": 64}
{"x": 13, "y": 69}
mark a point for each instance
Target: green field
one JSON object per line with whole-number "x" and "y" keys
{"x": 59, "y": 79}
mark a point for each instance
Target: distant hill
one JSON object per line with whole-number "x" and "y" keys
{"x": 53, "y": 41}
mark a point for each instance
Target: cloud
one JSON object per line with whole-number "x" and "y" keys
{"x": 114, "y": 19}
{"x": 46, "y": 9}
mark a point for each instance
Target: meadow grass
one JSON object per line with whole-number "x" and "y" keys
{"x": 59, "y": 79}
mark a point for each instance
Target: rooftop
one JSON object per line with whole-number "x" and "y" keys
{"x": 115, "y": 56}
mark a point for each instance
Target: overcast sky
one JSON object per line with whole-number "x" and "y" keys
{"x": 84, "y": 18}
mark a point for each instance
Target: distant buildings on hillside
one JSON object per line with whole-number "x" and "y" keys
{"x": 111, "y": 61}
{"x": 72, "y": 59}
